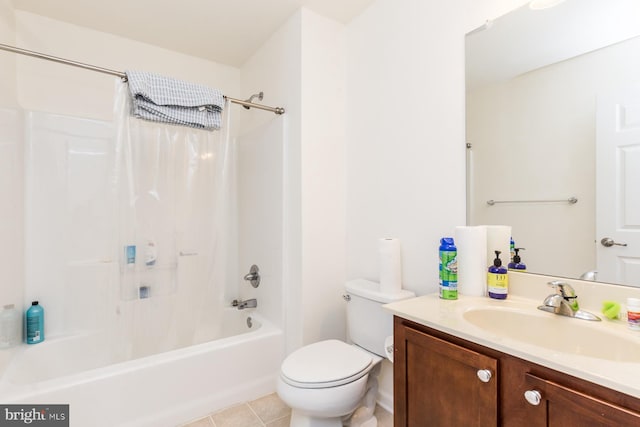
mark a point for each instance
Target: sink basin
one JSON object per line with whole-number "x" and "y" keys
{"x": 557, "y": 333}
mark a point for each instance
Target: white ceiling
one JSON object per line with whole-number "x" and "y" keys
{"x": 525, "y": 39}
{"x": 225, "y": 31}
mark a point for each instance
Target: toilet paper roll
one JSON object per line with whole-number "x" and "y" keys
{"x": 471, "y": 242}
{"x": 498, "y": 239}
{"x": 388, "y": 347}
{"x": 390, "y": 265}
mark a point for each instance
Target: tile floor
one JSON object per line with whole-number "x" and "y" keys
{"x": 267, "y": 411}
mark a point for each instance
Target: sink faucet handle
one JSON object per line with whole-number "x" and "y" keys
{"x": 563, "y": 288}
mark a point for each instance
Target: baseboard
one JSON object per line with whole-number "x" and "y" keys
{"x": 385, "y": 400}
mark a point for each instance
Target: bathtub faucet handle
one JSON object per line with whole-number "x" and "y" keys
{"x": 250, "y": 303}
{"x": 253, "y": 276}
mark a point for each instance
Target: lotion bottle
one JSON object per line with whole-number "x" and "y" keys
{"x": 497, "y": 279}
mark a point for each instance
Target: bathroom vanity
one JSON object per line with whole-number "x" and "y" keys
{"x": 442, "y": 380}
{"x": 537, "y": 369}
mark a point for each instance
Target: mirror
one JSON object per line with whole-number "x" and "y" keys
{"x": 536, "y": 81}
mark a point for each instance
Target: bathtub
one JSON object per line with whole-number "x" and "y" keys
{"x": 165, "y": 389}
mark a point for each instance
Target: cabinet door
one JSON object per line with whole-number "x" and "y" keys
{"x": 563, "y": 406}
{"x": 437, "y": 383}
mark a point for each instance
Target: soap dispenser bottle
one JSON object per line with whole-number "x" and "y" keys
{"x": 517, "y": 263}
{"x": 497, "y": 279}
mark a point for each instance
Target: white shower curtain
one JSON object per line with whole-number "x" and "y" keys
{"x": 176, "y": 231}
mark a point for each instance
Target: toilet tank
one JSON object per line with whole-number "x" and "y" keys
{"x": 368, "y": 323}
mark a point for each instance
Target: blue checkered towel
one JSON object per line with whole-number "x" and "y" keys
{"x": 162, "y": 99}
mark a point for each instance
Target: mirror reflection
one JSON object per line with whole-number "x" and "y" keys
{"x": 553, "y": 117}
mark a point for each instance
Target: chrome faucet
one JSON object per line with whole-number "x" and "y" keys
{"x": 250, "y": 303}
{"x": 565, "y": 302}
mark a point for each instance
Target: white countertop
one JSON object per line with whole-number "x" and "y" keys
{"x": 448, "y": 316}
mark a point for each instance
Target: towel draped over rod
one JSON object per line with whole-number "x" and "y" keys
{"x": 122, "y": 75}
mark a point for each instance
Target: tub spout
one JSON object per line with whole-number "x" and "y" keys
{"x": 250, "y": 303}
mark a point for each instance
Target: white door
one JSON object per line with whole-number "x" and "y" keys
{"x": 618, "y": 187}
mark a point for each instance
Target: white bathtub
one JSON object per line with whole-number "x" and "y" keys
{"x": 165, "y": 389}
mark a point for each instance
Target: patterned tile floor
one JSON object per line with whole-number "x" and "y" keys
{"x": 267, "y": 411}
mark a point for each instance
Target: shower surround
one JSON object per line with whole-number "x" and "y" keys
{"x": 140, "y": 359}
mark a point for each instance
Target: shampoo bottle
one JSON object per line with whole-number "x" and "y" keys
{"x": 497, "y": 279}
{"x": 34, "y": 322}
{"x": 448, "y": 269}
{"x": 130, "y": 255}
{"x": 517, "y": 263}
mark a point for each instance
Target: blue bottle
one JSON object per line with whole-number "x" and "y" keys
{"x": 497, "y": 279}
{"x": 448, "y": 269}
{"x": 34, "y": 324}
{"x": 512, "y": 251}
{"x": 517, "y": 263}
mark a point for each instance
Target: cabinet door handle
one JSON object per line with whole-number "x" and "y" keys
{"x": 484, "y": 375}
{"x": 533, "y": 397}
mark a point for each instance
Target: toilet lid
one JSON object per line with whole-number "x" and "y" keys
{"x": 325, "y": 364}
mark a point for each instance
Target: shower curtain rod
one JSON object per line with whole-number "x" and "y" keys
{"x": 123, "y": 76}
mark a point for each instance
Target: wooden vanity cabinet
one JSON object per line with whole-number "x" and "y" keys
{"x": 563, "y": 406}
{"x": 436, "y": 383}
{"x": 443, "y": 381}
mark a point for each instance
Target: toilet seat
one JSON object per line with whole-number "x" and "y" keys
{"x": 325, "y": 364}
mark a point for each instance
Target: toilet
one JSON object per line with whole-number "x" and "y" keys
{"x": 331, "y": 383}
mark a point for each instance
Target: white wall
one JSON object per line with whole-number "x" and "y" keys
{"x": 405, "y": 131}
{"x": 302, "y": 67}
{"x": 275, "y": 69}
{"x": 323, "y": 160}
{"x": 7, "y": 60}
{"x": 405, "y": 169}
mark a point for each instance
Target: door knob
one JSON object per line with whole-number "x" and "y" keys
{"x": 608, "y": 242}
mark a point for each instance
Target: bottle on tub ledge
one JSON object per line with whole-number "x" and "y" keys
{"x": 10, "y": 326}
{"x": 497, "y": 279}
{"x": 34, "y": 324}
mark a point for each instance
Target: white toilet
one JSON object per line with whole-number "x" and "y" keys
{"x": 331, "y": 383}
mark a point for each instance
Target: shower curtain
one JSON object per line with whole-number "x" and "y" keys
{"x": 175, "y": 234}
